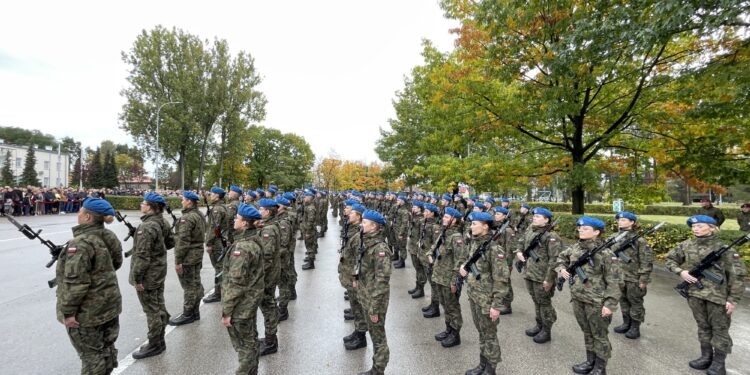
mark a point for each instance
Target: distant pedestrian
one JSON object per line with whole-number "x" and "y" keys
{"x": 708, "y": 209}
{"x": 743, "y": 218}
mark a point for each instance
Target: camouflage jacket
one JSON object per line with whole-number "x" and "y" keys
{"x": 294, "y": 221}
{"x": 218, "y": 220}
{"x": 286, "y": 239}
{"x": 86, "y": 280}
{"x": 309, "y": 216}
{"x": 373, "y": 281}
{"x": 152, "y": 239}
{"x": 349, "y": 254}
{"x": 113, "y": 244}
{"x": 432, "y": 231}
{"x": 603, "y": 285}
{"x": 189, "y": 232}
{"x": 689, "y": 253}
{"x": 321, "y": 209}
{"x": 493, "y": 285}
{"x": 232, "y": 207}
{"x": 550, "y": 247}
{"x": 713, "y": 212}
{"x": 401, "y": 217}
{"x": 270, "y": 240}
{"x": 415, "y": 233}
{"x": 445, "y": 268}
{"x": 508, "y": 241}
{"x": 642, "y": 260}
{"x": 743, "y": 219}
{"x": 243, "y": 278}
{"x": 521, "y": 221}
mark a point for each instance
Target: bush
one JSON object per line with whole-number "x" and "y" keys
{"x": 601, "y": 208}
{"x": 124, "y": 202}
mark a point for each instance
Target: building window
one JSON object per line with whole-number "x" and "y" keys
{"x": 18, "y": 162}
{"x": 46, "y": 181}
{"x": 46, "y": 165}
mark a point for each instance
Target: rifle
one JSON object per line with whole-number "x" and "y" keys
{"x": 620, "y": 252}
{"x": 701, "y": 269}
{"x": 435, "y": 252}
{"x": 529, "y": 252}
{"x": 174, "y": 218}
{"x": 360, "y": 253}
{"x": 54, "y": 250}
{"x": 472, "y": 262}
{"x": 344, "y": 234}
{"x": 588, "y": 257}
{"x": 131, "y": 230}
{"x": 420, "y": 243}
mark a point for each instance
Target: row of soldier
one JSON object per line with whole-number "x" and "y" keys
{"x": 444, "y": 234}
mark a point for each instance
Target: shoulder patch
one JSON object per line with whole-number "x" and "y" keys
{"x": 736, "y": 256}
{"x": 615, "y": 259}
{"x": 182, "y": 220}
{"x": 236, "y": 253}
{"x": 140, "y": 232}
{"x": 460, "y": 242}
{"x": 500, "y": 256}
{"x": 72, "y": 250}
{"x": 381, "y": 254}
{"x": 265, "y": 235}
{"x": 552, "y": 239}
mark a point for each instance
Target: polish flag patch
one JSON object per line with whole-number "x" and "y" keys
{"x": 500, "y": 256}
{"x": 381, "y": 254}
{"x": 236, "y": 253}
{"x": 72, "y": 250}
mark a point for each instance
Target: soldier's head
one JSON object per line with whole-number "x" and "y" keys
{"x": 372, "y": 221}
{"x": 500, "y": 213}
{"x": 541, "y": 217}
{"x": 153, "y": 204}
{"x": 702, "y": 225}
{"x": 505, "y": 202}
{"x": 481, "y": 223}
{"x": 235, "y": 192}
{"x": 478, "y": 208}
{"x": 430, "y": 210}
{"x": 268, "y": 207}
{"x": 705, "y": 203}
{"x": 488, "y": 202}
{"x": 524, "y": 209}
{"x": 745, "y": 207}
{"x": 416, "y": 207}
{"x": 589, "y": 227}
{"x": 626, "y": 220}
{"x": 247, "y": 217}
{"x": 190, "y": 199}
{"x": 452, "y": 217}
{"x": 250, "y": 196}
{"x": 217, "y": 194}
{"x": 284, "y": 204}
{"x": 308, "y": 197}
{"x": 355, "y": 213}
{"x": 95, "y": 210}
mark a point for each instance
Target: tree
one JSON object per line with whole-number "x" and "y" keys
{"x": 71, "y": 147}
{"x": 94, "y": 171}
{"x": 28, "y": 176}
{"x": 6, "y": 174}
{"x": 327, "y": 172}
{"x": 24, "y": 137}
{"x": 109, "y": 171}
{"x": 283, "y": 159}
{"x": 75, "y": 174}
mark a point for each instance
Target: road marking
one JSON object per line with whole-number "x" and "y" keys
{"x": 128, "y": 361}
{"x": 43, "y": 234}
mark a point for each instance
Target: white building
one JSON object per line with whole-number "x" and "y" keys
{"x": 52, "y": 167}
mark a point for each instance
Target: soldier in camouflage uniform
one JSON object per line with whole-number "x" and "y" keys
{"x": 250, "y": 199}
{"x": 291, "y": 271}
{"x": 347, "y": 266}
{"x": 540, "y": 275}
{"x": 444, "y": 270}
{"x": 309, "y": 233}
{"x": 235, "y": 199}
{"x": 333, "y": 200}
{"x": 243, "y": 285}
{"x": 509, "y": 242}
{"x": 287, "y": 243}
{"x": 148, "y": 269}
{"x": 188, "y": 257}
{"x": 712, "y": 305}
{"x": 372, "y": 281}
{"x": 522, "y": 220}
{"x": 218, "y": 225}
{"x": 595, "y": 301}
{"x": 88, "y": 297}
{"x": 321, "y": 203}
{"x": 415, "y": 232}
{"x": 487, "y": 292}
{"x": 430, "y": 233}
{"x": 271, "y": 240}
{"x": 743, "y": 218}
{"x": 401, "y": 224}
{"x": 110, "y": 239}
{"x": 708, "y": 209}
{"x": 505, "y": 203}
{"x": 636, "y": 275}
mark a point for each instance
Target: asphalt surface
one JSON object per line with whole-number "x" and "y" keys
{"x": 310, "y": 341}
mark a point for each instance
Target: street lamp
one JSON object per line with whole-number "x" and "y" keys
{"x": 158, "y": 149}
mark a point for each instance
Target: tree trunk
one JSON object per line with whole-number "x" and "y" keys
{"x": 203, "y": 160}
{"x": 578, "y": 195}
{"x": 686, "y": 200}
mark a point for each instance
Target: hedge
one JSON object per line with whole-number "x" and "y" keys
{"x": 123, "y": 202}
{"x": 661, "y": 242}
{"x": 602, "y": 208}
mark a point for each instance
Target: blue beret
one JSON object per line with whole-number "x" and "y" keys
{"x": 474, "y": 197}
{"x": 357, "y": 194}
{"x": 482, "y": 216}
{"x": 419, "y": 204}
{"x": 590, "y": 222}
{"x": 627, "y": 215}
{"x": 500, "y": 209}
{"x": 247, "y": 211}
{"x": 543, "y": 211}
{"x": 267, "y": 202}
{"x": 273, "y": 189}
{"x": 283, "y": 201}
{"x": 431, "y": 207}
{"x": 359, "y": 208}
{"x": 351, "y": 202}
{"x": 308, "y": 194}
{"x": 489, "y": 200}
{"x": 453, "y": 212}
{"x": 99, "y": 206}
{"x": 505, "y": 200}
{"x": 447, "y": 197}
{"x": 700, "y": 219}
{"x": 218, "y": 190}
{"x": 290, "y": 196}
{"x": 252, "y": 194}
{"x": 190, "y": 195}
{"x": 526, "y": 206}
{"x": 421, "y": 194}
{"x": 375, "y": 216}
{"x": 259, "y": 190}
{"x": 236, "y": 189}
{"x": 323, "y": 192}
{"x": 402, "y": 197}
{"x": 456, "y": 195}
{"x": 153, "y": 197}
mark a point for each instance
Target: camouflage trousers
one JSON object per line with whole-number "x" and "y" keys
{"x": 489, "y": 346}
{"x": 545, "y": 312}
{"x": 360, "y": 318}
{"x": 595, "y": 328}
{"x": 311, "y": 243}
{"x": 451, "y": 306}
{"x": 244, "y": 335}
{"x": 631, "y": 301}
{"x": 270, "y": 310}
{"x": 380, "y": 351}
{"x": 713, "y": 323}
{"x": 152, "y": 302}
{"x": 190, "y": 280}
{"x": 214, "y": 255}
{"x": 323, "y": 223}
{"x": 419, "y": 270}
{"x": 96, "y": 347}
{"x": 287, "y": 278}
{"x": 400, "y": 248}
{"x": 508, "y": 299}
{"x": 434, "y": 295}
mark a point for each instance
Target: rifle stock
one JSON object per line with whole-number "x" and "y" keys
{"x": 529, "y": 252}
{"x": 701, "y": 270}
{"x": 576, "y": 269}
{"x": 54, "y": 250}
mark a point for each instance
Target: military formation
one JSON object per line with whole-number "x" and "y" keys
{"x": 456, "y": 246}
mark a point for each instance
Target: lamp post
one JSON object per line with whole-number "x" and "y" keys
{"x": 158, "y": 150}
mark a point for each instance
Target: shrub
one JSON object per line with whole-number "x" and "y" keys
{"x": 123, "y": 202}
{"x": 601, "y": 208}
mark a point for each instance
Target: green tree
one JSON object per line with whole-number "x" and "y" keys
{"x": 28, "y": 176}
{"x": 94, "y": 170}
{"x": 109, "y": 172}
{"x": 6, "y": 174}
{"x": 24, "y": 137}
{"x": 278, "y": 158}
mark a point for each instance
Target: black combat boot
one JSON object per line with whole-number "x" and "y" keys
{"x": 441, "y": 336}
{"x": 545, "y": 335}
{"x": 349, "y": 316}
{"x": 586, "y": 366}
{"x": 626, "y": 322}
{"x": 359, "y": 341}
{"x": 351, "y": 336}
{"x": 533, "y": 331}
{"x": 600, "y": 367}
{"x": 283, "y": 313}
{"x": 433, "y": 311}
{"x": 707, "y": 355}
{"x": 294, "y": 295}
{"x": 635, "y": 330}
{"x": 154, "y": 347}
{"x": 717, "y": 366}
{"x": 418, "y": 294}
{"x": 394, "y": 257}
{"x": 348, "y": 310}
{"x": 268, "y": 345}
{"x": 197, "y": 314}
{"x": 506, "y": 310}
{"x": 215, "y": 296}
{"x": 399, "y": 263}
{"x": 480, "y": 368}
{"x": 372, "y": 371}
{"x": 309, "y": 265}
{"x": 413, "y": 290}
{"x": 186, "y": 317}
{"x": 452, "y": 339}
{"x": 489, "y": 369}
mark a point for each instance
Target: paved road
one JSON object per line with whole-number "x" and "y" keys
{"x": 310, "y": 341}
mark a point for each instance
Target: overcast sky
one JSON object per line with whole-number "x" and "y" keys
{"x": 330, "y": 68}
